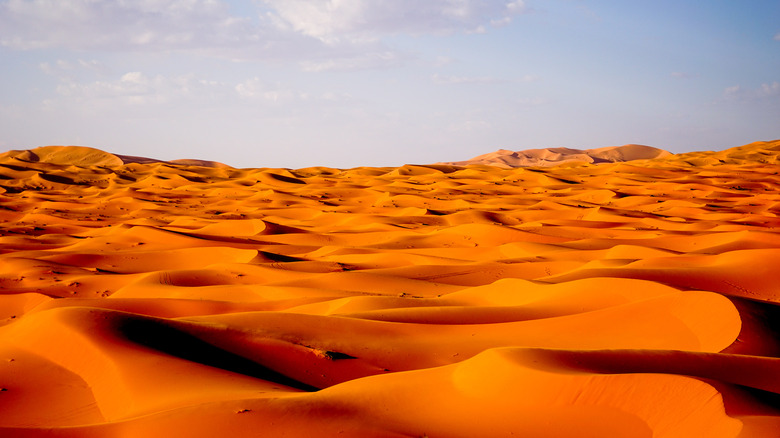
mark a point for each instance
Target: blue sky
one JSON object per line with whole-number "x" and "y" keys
{"x": 344, "y": 83}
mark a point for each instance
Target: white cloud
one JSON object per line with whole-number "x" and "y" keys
{"x": 64, "y": 69}
{"x": 141, "y": 90}
{"x": 131, "y": 88}
{"x": 732, "y": 91}
{"x": 317, "y": 35}
{"x": 772, "y": 89}
{"x": 765, "y": 91}
{"x": 208, "y": 24}
{"x": 333, "y": 20}
{"x": 120, "y": 24}
{"x": 172, "y": 6}
{"x": 777, "y": 36}
{"x": 137, "y": 89}
{"x": 503, "y": 21}
{"x": 92, "y": 65}
{"x": 258, "y": 89}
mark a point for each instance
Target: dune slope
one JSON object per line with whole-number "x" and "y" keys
{"x": 157, "y": 299}
{"x": 555, "y": 156}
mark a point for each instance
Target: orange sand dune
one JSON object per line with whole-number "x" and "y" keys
{"x": 85, "y": 156}
{"x": 631, "y": 294}
{"x": 556, "y": 156}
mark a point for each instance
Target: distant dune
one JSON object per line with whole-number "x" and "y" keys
{"x": 64, "y": 155}
{"x": 555, "y": 156}
{"x": 758, "y": 153}
{"x": 86, "y": 156}
{"x": 142, "y": 298}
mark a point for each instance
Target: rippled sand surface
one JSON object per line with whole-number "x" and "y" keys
{"x": 159, "y": 299}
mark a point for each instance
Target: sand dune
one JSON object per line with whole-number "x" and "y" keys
{"x": 85, "y": 156}
{"x": 633, "y": 298}
{"x": 556, "y": 156}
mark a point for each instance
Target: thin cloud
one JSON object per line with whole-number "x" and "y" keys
{"x": 257, "y": 89}
{"x": 683, "y": 75}
{"x": 441, "y": 61}
{"x": 772, "y": 89}
{"x": 66, "y": 69}
{"x": 528, "y": 78}
{"x": 141, "y": 90}
{"x": 765, "y": 91}
{"x": 446, "y": 79}
{"x": 120, "y": 25}
{"x": 204, "y": 27}
{"x": 377, "y": 57}
{"x": 132, "y": 88}
{"x": 450, "y": 79}
{"x": 332, "y": 21}
{"x": 319, "y": 35}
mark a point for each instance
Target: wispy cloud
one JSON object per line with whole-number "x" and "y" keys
{"x": 777, "y": 36}
{"x": 447, "y": 79}
{"x": 441, "y": 61}
{"x": 334, "y": 20}
{"x": 318, "y": 35}
{"x": 376, "y": 57}
{"x": 121, "y": 24}
{"x": 64, "y": 69}
{"x": 134, "y": 88}
{"x": 451, "y": 79}
{"x": 765, "y": 91}
{"x": 258, "y": 89}
{"x": 142, "y": 90}
{"x": 770, "y": 90}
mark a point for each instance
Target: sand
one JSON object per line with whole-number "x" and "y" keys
{"x": 556, "y": 156}
{"x": 141, "y": 297}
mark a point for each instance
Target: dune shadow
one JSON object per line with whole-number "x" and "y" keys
{"x": 767, "y": 398}
{"x": 59, "y": 179}
{"x": 169, "y": 340}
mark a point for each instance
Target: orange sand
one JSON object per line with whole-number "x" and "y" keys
{"x": 142, "y": 298}
{"x": 555, "y": 156}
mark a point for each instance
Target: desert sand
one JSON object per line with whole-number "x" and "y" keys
{"x": 145, "y": 298}
{"x": 554, "y": 156}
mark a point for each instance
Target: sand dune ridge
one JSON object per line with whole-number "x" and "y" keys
{"x": 555, "y": 156}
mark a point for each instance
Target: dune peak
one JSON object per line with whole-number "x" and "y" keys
{"x": 554, "y": 156}
{"x": 83, "y": 156}
{"x": 65, "y": 155}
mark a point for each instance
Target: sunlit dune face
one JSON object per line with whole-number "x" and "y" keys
{"x": 629, "y": 299}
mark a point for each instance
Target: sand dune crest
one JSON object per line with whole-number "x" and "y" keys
{"x": 555, "y": 156}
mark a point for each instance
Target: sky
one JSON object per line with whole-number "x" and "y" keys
{"x": 347, "y": 83}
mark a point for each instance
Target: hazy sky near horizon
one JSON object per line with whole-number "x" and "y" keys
{"x": 344, "y": 83}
